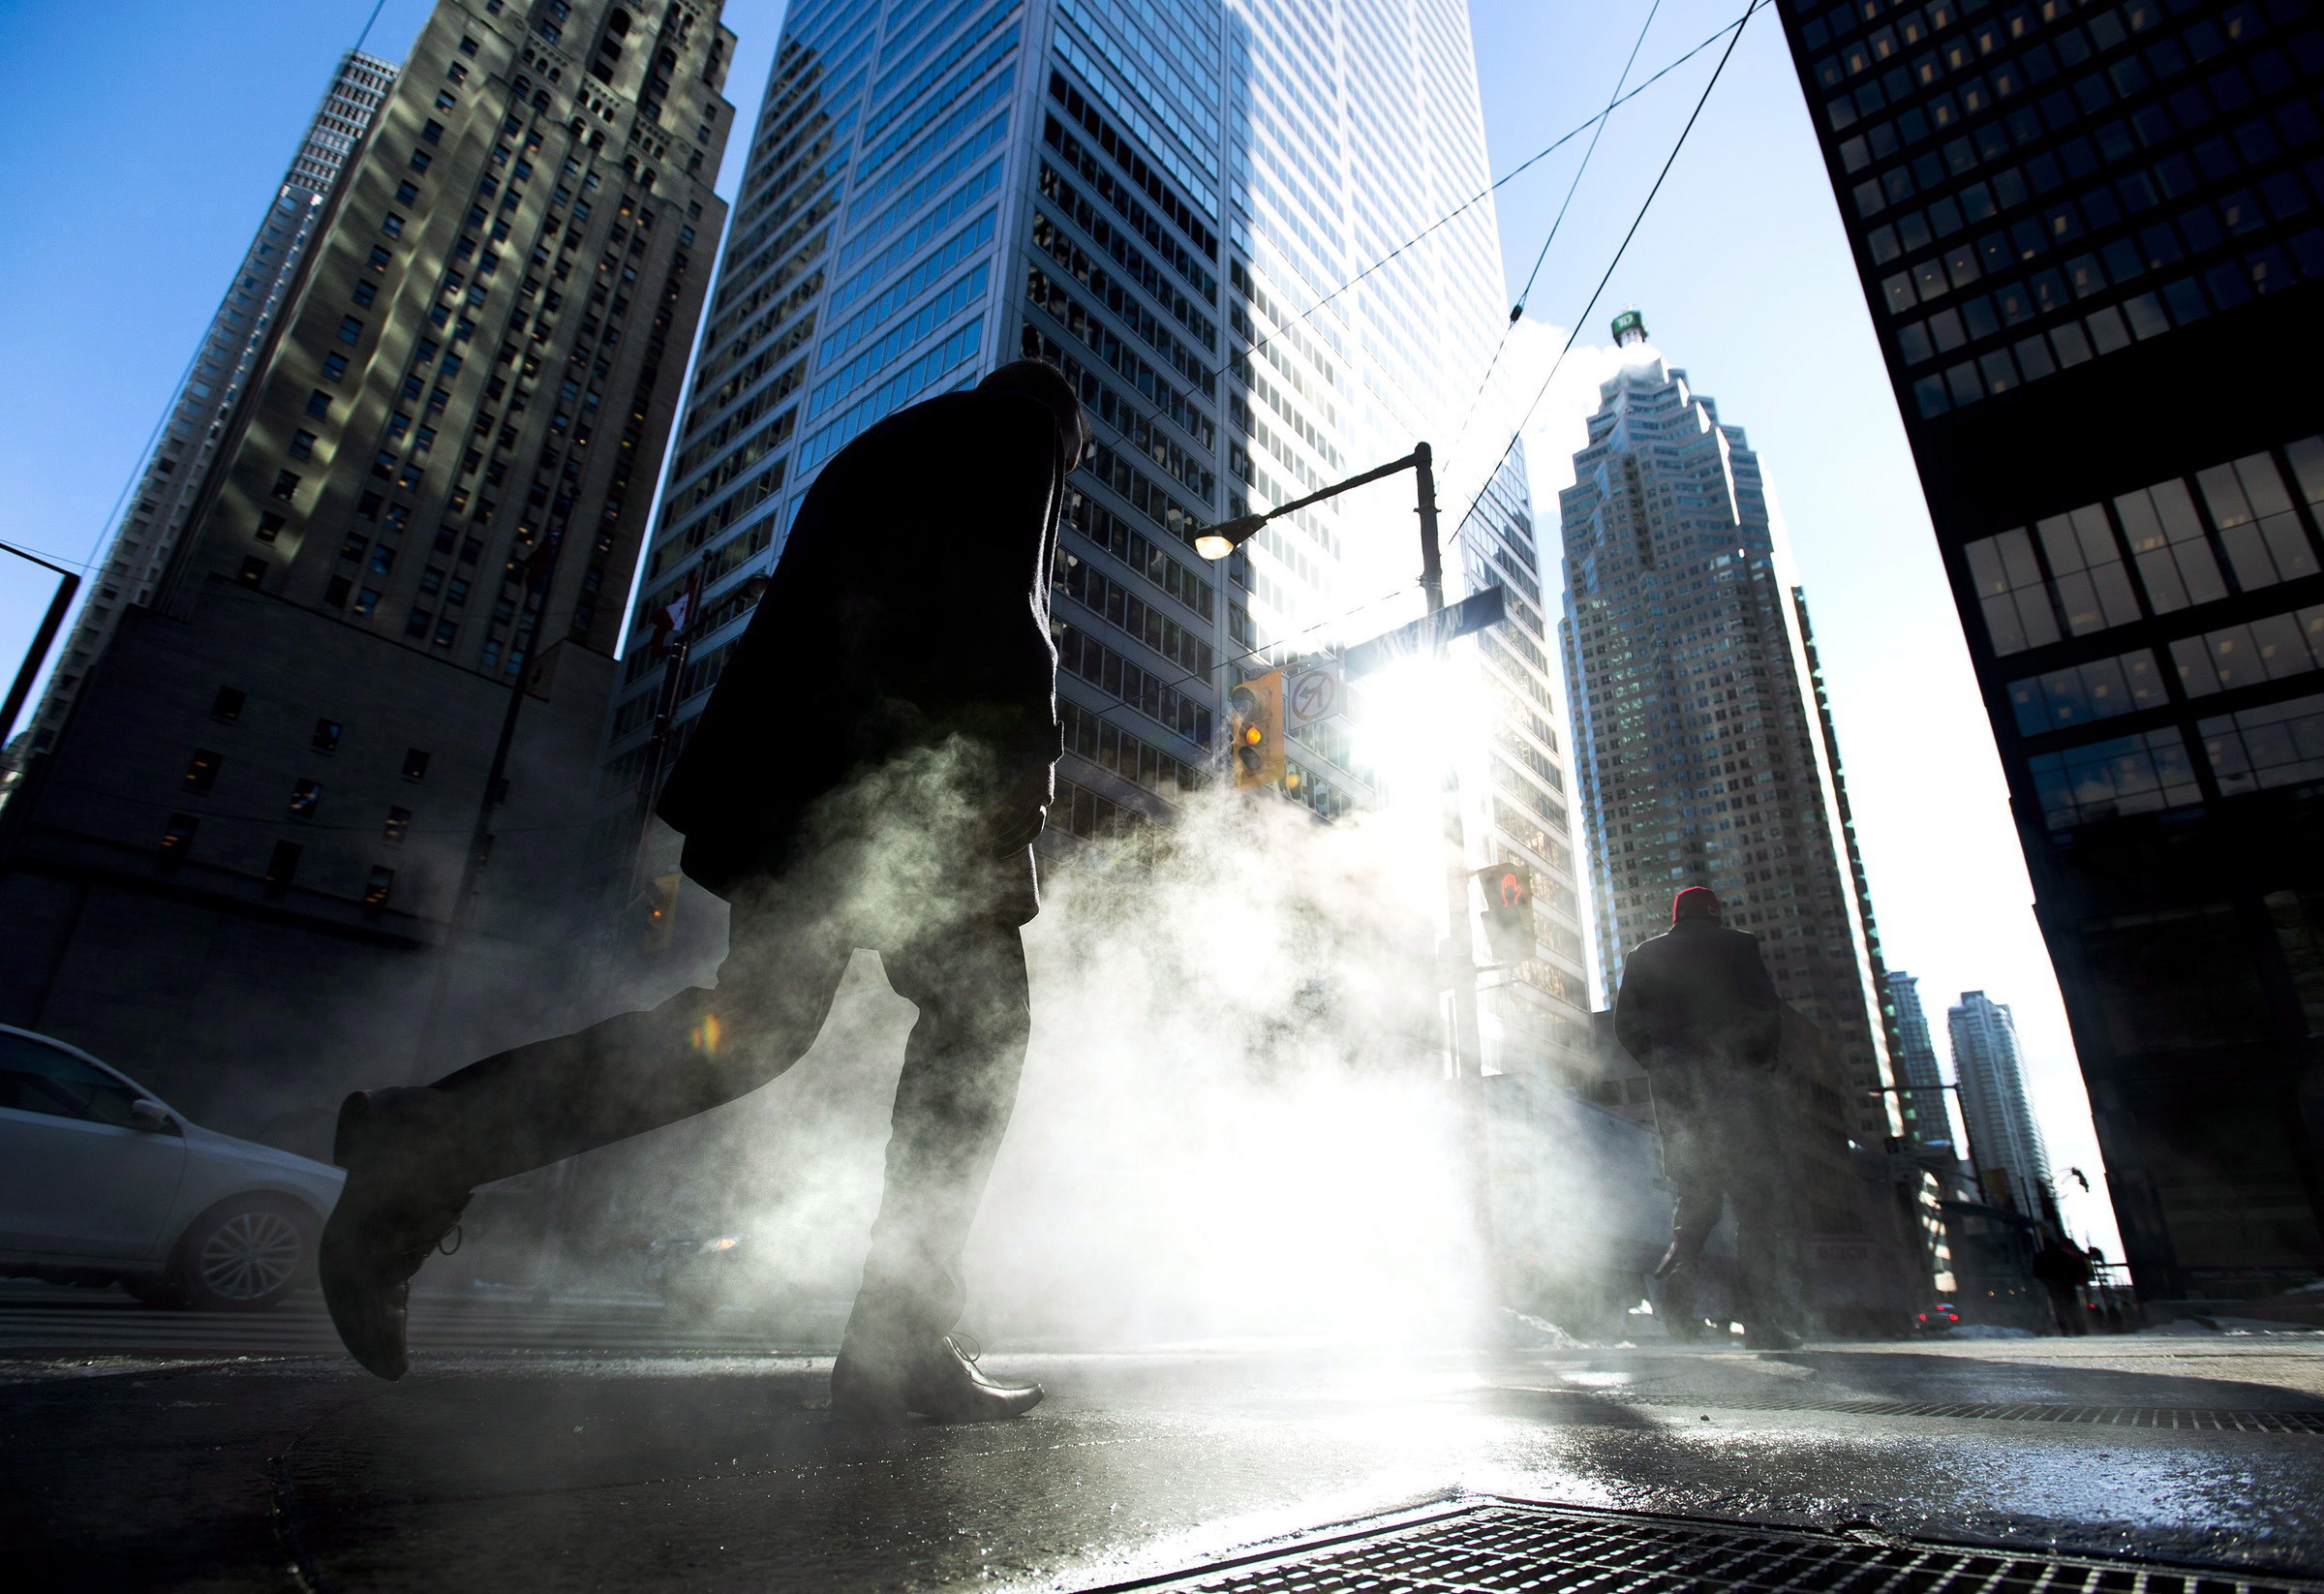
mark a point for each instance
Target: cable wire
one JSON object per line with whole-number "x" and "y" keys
{"x": 1582, "y": 319}
{"x": 1517, "y": 310}
{"x": 1502, "y": 181}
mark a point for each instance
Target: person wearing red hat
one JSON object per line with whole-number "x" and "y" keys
{"x": 1698, "y": 1011}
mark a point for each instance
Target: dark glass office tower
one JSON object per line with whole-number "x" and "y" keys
{"x": 2090, "y": 236}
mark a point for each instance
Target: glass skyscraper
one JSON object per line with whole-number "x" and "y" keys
{"x": 1921, "y": 1086}
{"x": 1164, "y": 198}
{"x": 1703, "y": 736}
{"x": 2012, "y": 1163}
{"x": 2088, "y": 237}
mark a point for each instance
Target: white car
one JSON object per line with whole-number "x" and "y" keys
{"x": 102, "y": 1183}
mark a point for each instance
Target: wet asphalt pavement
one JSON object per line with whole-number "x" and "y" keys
{"x": 514, "y": 1470}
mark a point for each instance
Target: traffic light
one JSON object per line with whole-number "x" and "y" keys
{"x": 1508, "y": 911}
{"x": 660, "y": 912}
{"x": 1254, "y": 727}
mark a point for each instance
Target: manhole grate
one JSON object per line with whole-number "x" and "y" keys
{"x": 1544, "y": 1549}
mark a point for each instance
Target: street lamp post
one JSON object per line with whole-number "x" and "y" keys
{"x": 68, "y": 583}
{"x": 1216, "y": 542}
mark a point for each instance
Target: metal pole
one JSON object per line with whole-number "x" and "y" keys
{"x": 1467, "y": 1027}
{"x": 38, "y": 653}
{"x": 479, "y": 840}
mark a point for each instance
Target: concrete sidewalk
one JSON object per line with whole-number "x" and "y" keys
{"x": 529, "y": 1471}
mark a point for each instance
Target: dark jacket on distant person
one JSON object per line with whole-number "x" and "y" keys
{"x": 1696, "y": 1002}
{"x": 909, "y": 603}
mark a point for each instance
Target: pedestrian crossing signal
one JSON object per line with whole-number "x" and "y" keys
{"x": 1508, "y": 911}
{"x": 1255, "y": 730}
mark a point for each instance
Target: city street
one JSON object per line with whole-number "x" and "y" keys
{"x": 626, "y": 1456}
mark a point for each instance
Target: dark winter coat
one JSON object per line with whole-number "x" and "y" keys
{"x": 1696, "y": 1006}
{"x": 909, "y": 603}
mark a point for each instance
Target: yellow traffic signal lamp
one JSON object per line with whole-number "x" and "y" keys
{"x": 1255, "y": 730}
{"x": 660, "y": 912}
{"x": 1508, "y": 911}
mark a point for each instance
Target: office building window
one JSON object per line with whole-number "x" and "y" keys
{"x": 376, "y": 890}
{"x": 326, "y": 736}
{"x": 2132, "y": 775}
{"x": 2279, "y": 745}
{"x": 2175, "y": 558}
{"x": 201, "y": 774}
{"x": 2011, "y": 592}
{"x": 2080, "y": 694}
{"x": 2240, "y": 656}
{"x": 399, "y": 824}
{"x": 281, "y": 868}
{"x": 253, "y": 572}
{"x": 306, "y": 796}
{"x": 2258, "y": 527}
{"x": 227, "y": 706}
{"x": 177, "y": 836}
{"x": 2085, "y": 570}
{"x": 416, "y": 763}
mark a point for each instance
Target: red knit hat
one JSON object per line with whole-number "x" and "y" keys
{"x": 1696, "y": 901}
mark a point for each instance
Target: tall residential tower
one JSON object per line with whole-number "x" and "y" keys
{"x": 415, "y": 538}
{"x": 1701, "y": 731}
{"x": 158, "y": 504}
{"x": 2012, "y": 1164}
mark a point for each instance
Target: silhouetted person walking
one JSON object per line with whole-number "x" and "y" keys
{"x": 872, "y": 770}
{"x": 1700, "y": 1013}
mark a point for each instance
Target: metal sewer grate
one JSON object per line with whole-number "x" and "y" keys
{"x": 1509, "y": 1546}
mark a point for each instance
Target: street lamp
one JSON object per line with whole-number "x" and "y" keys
{"x": 1216, "y": 542}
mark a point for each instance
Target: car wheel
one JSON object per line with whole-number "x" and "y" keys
{"x": 244, "y": 1255}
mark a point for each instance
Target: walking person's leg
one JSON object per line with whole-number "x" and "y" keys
{"x": 1698, "y": 1195}
{"x": 412, "y": 1156}
{"x": 952, "y": 1109}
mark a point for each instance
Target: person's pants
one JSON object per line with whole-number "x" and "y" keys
{"x": 540, "y": 1103}
{"x": 1706, "y": 1178}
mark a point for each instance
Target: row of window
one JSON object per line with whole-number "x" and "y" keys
{"x": 2240, "y": 532}
{"x": 282, "y": 866}
{"x": 1103, "y": 595}
{"x": 2277, "y": 745}
{"x": 1079, "y": 654}
{"x": 1106, "y": 530}
{"x": 891, "y": 394}
{"x": 2243, "y": 655}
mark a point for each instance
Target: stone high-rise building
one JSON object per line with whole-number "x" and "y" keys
{"x": 232, "y": 870}
{"x": 2084, "y": 233}
{"x": 2012, "y": 1163}
{"x": 155, "y": 509}
{"x": 1702, "y": 733}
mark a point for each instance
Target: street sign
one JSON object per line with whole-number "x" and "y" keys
{"x": 1430, "y": 632}
{"x": 1314, "y": 693}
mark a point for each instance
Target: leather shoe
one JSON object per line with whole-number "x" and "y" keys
{"x": 938, "y": 1380}
{"x": 389, "y": 1215}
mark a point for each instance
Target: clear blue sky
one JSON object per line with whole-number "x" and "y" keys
{"x": 1741, "y": 269}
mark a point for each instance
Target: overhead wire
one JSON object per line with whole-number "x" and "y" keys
{"x": 1582, "y": 318}
{"x": 1502, "y": 181}
{"x": 1517, "y": 310}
